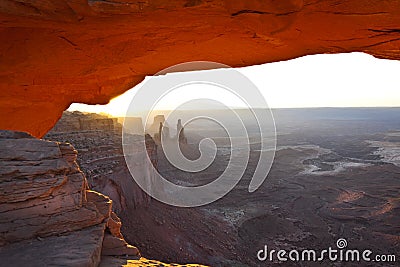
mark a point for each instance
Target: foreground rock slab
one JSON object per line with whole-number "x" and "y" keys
{"x": 48, "y": 215}
{"x": 43, "y": 192}
{"x": 78, "y": 248}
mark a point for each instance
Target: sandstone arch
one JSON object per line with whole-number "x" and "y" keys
{"x": 54, "y": 53}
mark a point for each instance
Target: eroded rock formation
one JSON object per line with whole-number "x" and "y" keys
{"x": 54, "y": 53}
{"x": 47, "y": 210}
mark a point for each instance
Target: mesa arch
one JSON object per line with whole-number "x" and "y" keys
{"x": 54, "y": 53}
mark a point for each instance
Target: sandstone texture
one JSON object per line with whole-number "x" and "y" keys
{"x": 48, "y": 216}
{"x": 54, "y": 53}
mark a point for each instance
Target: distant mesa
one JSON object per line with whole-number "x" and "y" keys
{"x": 154, "y": 128}
{"x": 79, "y": 121}
{"x": 134, "y": 125}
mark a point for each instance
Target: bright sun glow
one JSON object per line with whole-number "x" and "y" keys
{"x": 338, "y": 80}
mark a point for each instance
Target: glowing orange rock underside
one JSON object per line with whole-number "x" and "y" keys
{"x": 54, "y": 53}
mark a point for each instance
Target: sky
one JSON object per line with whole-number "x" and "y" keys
{"x": 325, "y": 80}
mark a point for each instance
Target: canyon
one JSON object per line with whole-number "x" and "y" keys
{"x": 331, "y": 178}
{"x": 158, "y": 230}
{"x": 50, "y": 214}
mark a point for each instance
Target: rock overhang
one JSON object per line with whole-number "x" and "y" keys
{"x": 54, "y": 53}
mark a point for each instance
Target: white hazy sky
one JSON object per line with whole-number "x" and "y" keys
{"x": 335, "y": 80}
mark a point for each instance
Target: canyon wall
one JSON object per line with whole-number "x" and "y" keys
{"x": 98, "y": 140}
{"x": 54, "y": 53}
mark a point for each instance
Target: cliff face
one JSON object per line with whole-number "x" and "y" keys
{"x": 47, "y": 210}
{"x": 98, "y": 140}
{"x": 54, "y": 53}
{"x": 77, "y": 121}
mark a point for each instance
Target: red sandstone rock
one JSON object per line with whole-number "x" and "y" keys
{"x": 114, "y": 225}
{"x": 47, "y": 214}
{"x": 42, "y": 191}
{"x": 114, "y": 246}
{"x": 54, "y": 53}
